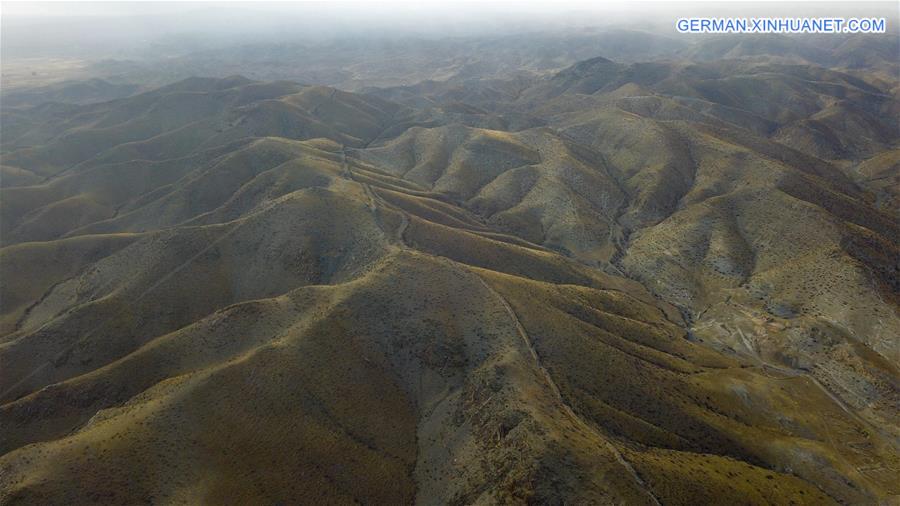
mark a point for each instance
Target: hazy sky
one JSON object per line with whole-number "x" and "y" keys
{"x": 110, "y": 8}
{"x": 107, "y": 29}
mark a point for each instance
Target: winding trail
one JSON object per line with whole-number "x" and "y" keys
{"x": 790, "y": 374}
{"x": 375, "y": 200}
{"x": 764, "y": 367}
{"x": 558, "y": 395}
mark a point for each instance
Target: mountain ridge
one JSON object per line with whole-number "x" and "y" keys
{"x": 629, "y": 299}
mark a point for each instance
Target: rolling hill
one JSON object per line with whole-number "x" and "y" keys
{"x": 667, "y": 282}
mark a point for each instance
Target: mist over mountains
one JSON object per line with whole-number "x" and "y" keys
{"x": 565, "y": 261}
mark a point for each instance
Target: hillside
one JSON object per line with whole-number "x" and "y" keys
{"x": 622, "y": 282}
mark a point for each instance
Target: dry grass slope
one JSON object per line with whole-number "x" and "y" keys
{"x": 234, "y": 291}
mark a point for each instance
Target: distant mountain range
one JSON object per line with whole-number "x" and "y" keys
{"x": 672, "y": 278}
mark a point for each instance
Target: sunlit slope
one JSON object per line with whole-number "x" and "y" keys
{"x": 379, "y": 374}
{"x": 821, "y": 112}
{"x": 639, "y": 304}
{"x": 531, "y": 183}
{"x": 772, "y": 254}
{"x": 431, "y": 378}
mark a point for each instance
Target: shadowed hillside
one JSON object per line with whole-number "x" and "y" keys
{"x": 641, "y": 283}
